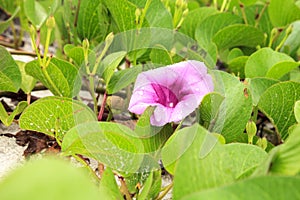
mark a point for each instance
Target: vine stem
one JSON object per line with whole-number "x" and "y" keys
{"x": 165, "y": 192}
{"x": 92, "y": 91}
{"x": 102, "y": 106}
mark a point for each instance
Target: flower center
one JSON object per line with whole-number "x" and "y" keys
{"x": 164, "y": 95}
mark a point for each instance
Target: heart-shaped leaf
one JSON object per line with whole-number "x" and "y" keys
{"x": 283, "y": 12}
{"x": 112, "y": 144}
{"x": 238, "y": 35}
{"x": 55, "y": 115}
{"x": 10, "y": 75}
{"x": 262, "y": 61}
{"x": 234, "y": 111}
{"x": 63, "y": 80}
{"x": 258, "y": 86}
{"x": 93, "y": 20}
{"x": 212, "y": 164}
{"x": 277, "y": 102}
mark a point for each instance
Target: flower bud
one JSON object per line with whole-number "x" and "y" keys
{"x": 85, "y": 44}
{"x": 109, "y": 38}
{"x": 50, "y": 23}
{"x": 262, "y": 142}
{"x": 251, "y": 131}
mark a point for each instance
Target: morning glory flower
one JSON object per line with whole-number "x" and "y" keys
{"x": 175, "y": 90}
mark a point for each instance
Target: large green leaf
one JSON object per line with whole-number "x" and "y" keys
{"x": 292, "y": 43}
{"x": 267, "y": 188}
{"x": 64, "y": 77}
{"x": 195, "y": 17}
{"x": 48, "y": 179}
{"x": 206, "y": 30}
{"x": 234, "y": 111}
{"x": 212, "y": 164}
{"x": 157, "y": 15}
{"x": 283, "y": 12}
{"x": 123, "y": 13}
{"x": 37, "y": 12}
{"x": 109, "y": 64}
{"x": 28, "y": 82}
{"x": 263, "y": 62}
{"x": 238, "y": 35}
{"x": 112, "y": 144}
{"x": 55, "y": 115}
{"x": 258, "y": 86}
{"x": 92, "y": 20}
{"x": 277, "y": 102}
{"x": 122, "y": 78}
{"x": 10, "y": 75}
{"x": 108, "y": 186}
{"x": 211, "y": 25}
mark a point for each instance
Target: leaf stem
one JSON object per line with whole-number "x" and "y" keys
{"x": 223, "y": 6}
{"x": 92, "y": 91}
{"x": 102, "y": 106}
{"x": 243, "y": 13}
{"x": 261, "y": 13}
{"x": 124, "y": 188}
{"x": 46, "y": 47}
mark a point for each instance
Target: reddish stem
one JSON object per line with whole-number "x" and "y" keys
{"x": 100, "y": 115}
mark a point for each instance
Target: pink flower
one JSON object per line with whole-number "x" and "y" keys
{"x": 176, "y": 91}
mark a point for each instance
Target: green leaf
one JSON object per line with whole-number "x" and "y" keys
{"x": 28, "y": 82}
{"x": 48, "y": 179}
{"x": 108, "y": 186}
{"x": 37, "y": 12}
{"x": 258, "y": 86}
{"x": 93, "y": 20}
{"x": 283, "y": 12}
{"x": 152, "y": 186}
{"x": 260, "y": 62}
{"x": 237, "y": 66}
{"x": 277, "y": 103}
{"x": 109, "y": 64}
{"x": 160, "y": 55}
{"x": 209, "y": 108}
{"x": 122, "y": 78}
{"x": 254, "y": 188}
{"x": 153, "y": 137}
{"x": 207, "y": 29}
{"x": 76, "y": 53}
{"x": 235, "y": 110}
{"x": 123, "y": 13}
{"x": 286, "y": 160}
{"x": 10, "y": 75}
{"x": 238, "y": 35}
{"x": 292, "y": 43}
{"x": 5, "y": 24}
{"x": 282, "y": 68}
{"x": 158, "y": 16}
{"x": 176, "y": 146}
{"x": 212, "y": 164}
{"x": 64, "y": 77}
{"x": 195, "y": 17}
{"x": 8, "y": 119}
{"x": 112, "y": 144}
{"x": 55, "y": 115}
{"x": 297, "y": 111}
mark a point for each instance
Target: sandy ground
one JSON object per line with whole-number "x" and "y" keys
{"x": 11, "y": 154}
